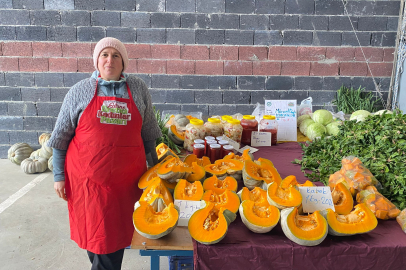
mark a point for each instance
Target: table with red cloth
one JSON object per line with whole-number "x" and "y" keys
{"x": 383, "y": 248}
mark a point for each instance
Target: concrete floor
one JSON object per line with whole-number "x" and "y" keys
{"x": 34, "y": 230}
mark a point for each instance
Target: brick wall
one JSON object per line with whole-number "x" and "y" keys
{"x": 213, "y": 56}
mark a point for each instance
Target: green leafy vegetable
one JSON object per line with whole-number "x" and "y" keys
{"x": 322, "y": 117}
{"x": 332, "y": 128}
{"x": 379, "y": 142}
{"x": 315, "y": 130}
{"x": 360, "y": 115}
{"x": 165, "y": 138}
{"x": 349, "y": 100}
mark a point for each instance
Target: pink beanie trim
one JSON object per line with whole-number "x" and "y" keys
{"x": 110, "y": 42}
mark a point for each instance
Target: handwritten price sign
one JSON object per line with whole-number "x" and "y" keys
{"x": 316, "y": 198}
{"x": 187, "y": 208}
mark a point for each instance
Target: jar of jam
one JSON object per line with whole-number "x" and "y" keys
{"x": 249, "y": 124}
{"x": 233, "y": 130}
{"x": 208, "y": 143}
{"x": 227, "y": 149}
{"x": 198, "y": 150}
{"x": 268, "y": 123}
{"x": 222, "y": 143}
{"x": 194, "y": 130}
{"x": 213, "y": 127}
{"x": 200, "y": 141}
{"x": 215, "y": 152}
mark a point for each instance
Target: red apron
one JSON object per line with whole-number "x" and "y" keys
{"x": 104, "y": 162}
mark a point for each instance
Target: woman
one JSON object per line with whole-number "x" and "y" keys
{"x": 105, "y": 132}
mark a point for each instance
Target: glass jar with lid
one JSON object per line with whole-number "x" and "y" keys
{"x": 215, "y": 152}
{"x": 249, "y": 124}
{"x": 213, "y": 127}
{"x": 198, "y": 150}
{"x": 233, "y": 130}
{"x": 269, "y": 124}
{"x": 194, "y": 130}
{"x": 224, "y": 119}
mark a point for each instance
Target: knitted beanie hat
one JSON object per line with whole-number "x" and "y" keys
{"x": 110, "y": 42}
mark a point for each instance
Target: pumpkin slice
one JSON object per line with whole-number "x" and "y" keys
{"x": 268, "y": 165}
{"x": 261, "y": 170}
{"x": 173, "y": 169}
{"x": 185, "y": 190}
{"x": 204, "y": 161}
{"x": 176, "y": 136}
{"x": 377, "y": 203}
{"x": 246, "y": 155}
{"x": 225, "y": 167}
{"x": 218, "y": 185}
{"x": 257, "y": 195}
{"x": 306, "y": 230}
{"x": 361, "y": 220}
{"x": 228, "y": 199}
{"x": 306, "y": 184}
{"x": 259, "y": 218}
{"x": 198, "y": 173}
{"x": 288, "y": 181}
{"x": 283, "y": 198}
{"x": 342, "y": 199}
{"x": 152, "y": 222}
{"x": 209, "y": 225}
{"x": 155, "y": 190}
{"x": 150, "y": 174}
{"x": 162, "y": 151}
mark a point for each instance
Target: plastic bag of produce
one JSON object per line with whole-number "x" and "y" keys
{"x": 379, "y": 205}
{"x": 354, "y": 175}
{"x": 259, "y": 111}
{"x": 401, "y": 219}
{"x": 305, "y": 107}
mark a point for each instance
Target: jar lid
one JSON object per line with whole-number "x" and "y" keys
{"x": 228, "y": 147}
{"x": 215, "y": 145}
{"x": 198, "y": 145}
{"x": 214, "y": 120}
{"x": 196, "y": 122}
{"x": 198, "y": 141}
{"x": 211, "y": 141}
{"x": 225, "y": 117}
{"x": 233, "y": 121}
{"x": 269, "y": 117}
{"x": 208, "y": 138}
{"x": 249, "y": 117}
{"x": 223, "y": 142}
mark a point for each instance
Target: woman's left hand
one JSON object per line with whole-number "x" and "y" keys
{"x": 60, "y": 189}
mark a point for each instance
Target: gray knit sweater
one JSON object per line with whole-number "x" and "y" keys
{"x": 80, "y": 95}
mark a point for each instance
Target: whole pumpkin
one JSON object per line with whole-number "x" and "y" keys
{"x": 18, "y": 152}
{"x": 37, "y": 165}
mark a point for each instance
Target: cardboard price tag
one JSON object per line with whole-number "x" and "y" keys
{"x": 261, "y": 138}
{"x": 316, "y": 198}
{"x": 186, "y": 210}
{"x": 252, "y": 149}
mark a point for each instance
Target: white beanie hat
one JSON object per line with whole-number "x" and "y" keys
{"x": 113, "y": 43}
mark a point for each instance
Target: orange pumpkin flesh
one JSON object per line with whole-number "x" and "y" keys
{"x": 218, "y": 186}
{"x": 228, "y": 199}
{"x": 157, "y": 189}
{"x": 198, "y": 173}
{"x": 189, "y": 159}
{"x": 150, "y": 174}
{"x": 257, "y": 195}
{"x": 377, "y": 203}
{"x": 162, "y": 151}
{"x": 342, "y": 199}
{"x": 259, "y": 218}
{"x": 283, "y": 198}
{"x": 185, "y": 190}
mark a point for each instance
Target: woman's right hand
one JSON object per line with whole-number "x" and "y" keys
{"x": 60, "y": 189}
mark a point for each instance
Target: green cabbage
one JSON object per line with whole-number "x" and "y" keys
{"x": 332, "y": 128}
{"x": 359, "y": 115}
{"x": 323, "y": 117}
{"x": 315, "y": 130}
{"x": 381, "y": 112}
{"x": 303, "y": 126}
{"x": 301, "y": 118}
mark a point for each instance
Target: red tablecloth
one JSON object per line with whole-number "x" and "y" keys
{"x": 383, "y": 248}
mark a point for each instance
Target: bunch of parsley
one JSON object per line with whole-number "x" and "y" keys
{"x": 379, "y": 142}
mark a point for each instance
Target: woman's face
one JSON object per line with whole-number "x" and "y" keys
{"x": 110, "y": 64}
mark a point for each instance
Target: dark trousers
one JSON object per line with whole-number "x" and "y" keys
{"x": 111, "y": 261}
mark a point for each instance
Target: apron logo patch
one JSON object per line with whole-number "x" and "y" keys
{"x": 114, "y": 112}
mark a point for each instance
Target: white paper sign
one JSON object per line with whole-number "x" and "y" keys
{"x": 316, "y": 198}
{"x": 261, "y": 138}
{"x": 285, "y": 113}
{"x": 252, "y": 149}
{"x": 186, "y": 210}
{"x": 235, "y": 144}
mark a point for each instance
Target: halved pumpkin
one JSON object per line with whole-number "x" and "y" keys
{"x": 377, "y": 203}
{"x": 225, "y": 167}
{"x": 162, "y": 151}
{"x": 246, "y": 155}
{"x": 259, "y": 218}
{"x": 173, "y": 169}
{"x": 150, "y": 174}
{"x": 176, "y": 136}
{"x": 154, "y": 222}
{"x": 189, "y": 159}
{"x": 342, "y": 199}
{"x": 185, "y": 190}
{"x": 218, "y": 185}
{"x": 228, "y": 199}
{"x": 361, "y": 220}
{"x": 155, "y": 190}
{"x": 209, "y": 224}
{"x": 257, "y": 195}
{"x": 305, "y": 230}
{"x": 288, "y": 181}
{"x": 283, "y": 198}
{"x": 256, "y": 172}
{"x": 198, "y": 173}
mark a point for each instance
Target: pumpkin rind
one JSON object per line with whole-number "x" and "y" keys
{"x": 283, "y": 198}
{"x": 256, "y": 172}
{"x": 51, "y": 163}
{"x": 185, "y": 190}
{"x": 307, "y": 230}
{"x": 154, "y": 224}
{"x": 18, "y": 152}
{"x": 218, "y": 185}
{"x": 360, "y": 220}
{"x": 198, "y": 173}
{"x": 155, "y": 190}
{"x": 228, "y": 199}
{"x": 46, "y": 152}
{"x": 162, "y": 151}
{"x": 342, "y": 199}
{"x": 37, "y": 165}
{"x": 259, "y": 218}
{"x": 43, "y": 138}
{"x": 150, "y": 174}
{"x": 225, "y": 167}
{"x": 209, "y": 225}
{"x": 176, "y": 136}
{"x": 173, "y": 169}
{"x": 35, "y": 154}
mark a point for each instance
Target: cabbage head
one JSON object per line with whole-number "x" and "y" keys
{"x": 381, "y": 112}
{"x": 303, "y": 126}
{"x": 359, "y": 115}
{"x": 332, "y": 128}
{"x": 323, "y": 117}
{"x": 301, "y": 118}
{"x": 315, "y": 130}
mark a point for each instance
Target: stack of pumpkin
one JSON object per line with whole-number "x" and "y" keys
{"x": 32, "y": 161}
